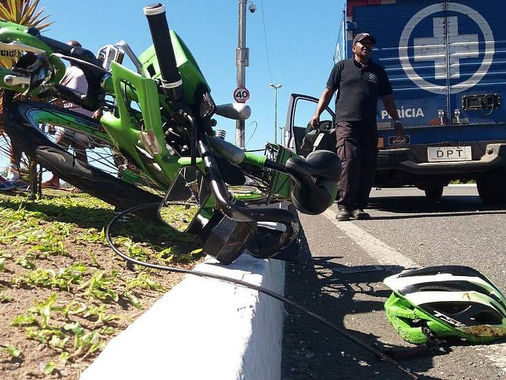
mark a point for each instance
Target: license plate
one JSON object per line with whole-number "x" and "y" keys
{"x": 449, "y": 153}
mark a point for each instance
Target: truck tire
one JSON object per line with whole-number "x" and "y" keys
{"x": 434, "y": 193}
{"x": 492, "y": 186}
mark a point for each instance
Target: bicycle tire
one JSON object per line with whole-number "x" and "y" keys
{"x": 80, "y": 174}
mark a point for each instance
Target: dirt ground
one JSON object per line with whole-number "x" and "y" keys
{"x": 63, "y": 292}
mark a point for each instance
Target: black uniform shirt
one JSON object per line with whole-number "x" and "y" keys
{"x": 358, "y": 89}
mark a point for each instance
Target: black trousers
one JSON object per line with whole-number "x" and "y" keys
{"x": 357, "y": 148}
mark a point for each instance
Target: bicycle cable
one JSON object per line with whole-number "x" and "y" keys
{"x": 382, "y": 356}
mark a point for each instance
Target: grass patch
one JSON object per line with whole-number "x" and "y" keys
{"x": 64, "y": 291}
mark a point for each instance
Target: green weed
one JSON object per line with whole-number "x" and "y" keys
{"x": 98, "y": 314}
{"x": 86, "y": 342}
{"x": 39, "y": 314}
{"x": 174, "y": 255}
{"x": 100, "y": 286}
{"x": 50, "y": 227}
{"x": 12, "y": 351}
{"x": 5, "y": 298}
{"x": 145, "y": 282}
{"x": 93, "y": 258}
{"x": 49, "y": 244}
{"x": 133, "y": 249}
{"x": 92, "y": 235}
{"x": 132, "y": 299}
{"x": 71, "y": 275}
{"x": 26, "y": 261}
{"x": 49, "y": 368}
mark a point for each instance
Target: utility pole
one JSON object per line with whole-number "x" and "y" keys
{"x": 241, "y": 59}
{"x": 275, "y": 87}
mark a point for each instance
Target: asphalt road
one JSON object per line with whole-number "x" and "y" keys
{"x": 340, "y": 272}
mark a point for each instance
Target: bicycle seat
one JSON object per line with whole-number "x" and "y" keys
{"x": 315, "y": 180}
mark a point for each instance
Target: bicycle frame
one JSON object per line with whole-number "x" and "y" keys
{"x": 170, "y": 130}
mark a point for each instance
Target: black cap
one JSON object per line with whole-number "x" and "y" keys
{"x": 362, "y": 36}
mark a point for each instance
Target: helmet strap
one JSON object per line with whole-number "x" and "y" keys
{"x": 435, "y": 345}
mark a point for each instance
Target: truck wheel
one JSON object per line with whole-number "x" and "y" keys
{"x": 434, "y": 193}
{"x": 492, "y": 186}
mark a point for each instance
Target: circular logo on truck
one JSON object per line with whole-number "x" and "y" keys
{"x": 444, "y": 49}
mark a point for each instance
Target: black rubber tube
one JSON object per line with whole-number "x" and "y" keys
{"x": 340, "y": 330}
{"x": 171, "y": 80}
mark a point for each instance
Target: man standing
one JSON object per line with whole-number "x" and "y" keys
{"x": 358, "y": 82}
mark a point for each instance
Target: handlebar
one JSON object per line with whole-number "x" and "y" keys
{"x": 226, "y": 203}
{"x": 130, "y": 53}
{"x": 235, "y": 111}
{"x": 172, "y": 83}
{"x": 260, "y": 247}
{"x": 64, "y": 48}
{"x": 35, "y": 73}
{"x": 16, "y": 80}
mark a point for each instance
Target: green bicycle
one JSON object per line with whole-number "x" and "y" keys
{"x": 160, "y": 121}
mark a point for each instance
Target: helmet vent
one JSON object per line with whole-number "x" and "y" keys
{"x": 487, "y": 317}
{"x": 451, "y": 308}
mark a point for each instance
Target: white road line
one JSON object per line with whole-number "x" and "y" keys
{"x": 374, "y": 247}
{"x": 387, "y": 255}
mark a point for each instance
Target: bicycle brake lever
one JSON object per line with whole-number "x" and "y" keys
{"x": 14, "y": 80}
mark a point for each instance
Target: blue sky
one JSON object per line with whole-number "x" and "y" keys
{"x": 301, "y": 38}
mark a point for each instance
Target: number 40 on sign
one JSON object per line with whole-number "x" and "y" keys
{"x": 241, "y": 95}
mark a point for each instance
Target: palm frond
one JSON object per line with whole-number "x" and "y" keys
{"x": 23, "y": 12}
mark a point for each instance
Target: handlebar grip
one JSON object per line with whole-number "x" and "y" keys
{"x": 73, "y": 51}
{"x": 172, "y": 83}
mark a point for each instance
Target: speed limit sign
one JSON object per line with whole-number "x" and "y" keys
{"x": 241, "y": 95}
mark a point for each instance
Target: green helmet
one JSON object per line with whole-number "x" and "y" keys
{"x": 445, "y": 301}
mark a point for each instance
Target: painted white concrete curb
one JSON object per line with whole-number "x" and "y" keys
{"x": 204, "y": 329}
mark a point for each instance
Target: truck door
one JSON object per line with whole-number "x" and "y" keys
{"x": 300, "y": 110}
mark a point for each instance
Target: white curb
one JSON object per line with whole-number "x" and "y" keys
{"x": 204, "y": 329}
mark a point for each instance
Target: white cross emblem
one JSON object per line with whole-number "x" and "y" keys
{"x": 432, "y": 48}
{"x": 461, "y": 46}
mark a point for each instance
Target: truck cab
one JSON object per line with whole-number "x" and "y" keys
{"x": 446, "y": 62}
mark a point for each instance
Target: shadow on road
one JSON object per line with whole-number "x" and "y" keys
{"x": 312, "y": 350}
{"x": 419, "y": 207}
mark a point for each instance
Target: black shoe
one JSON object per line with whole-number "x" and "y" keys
{"x": 344, "y": 215}
{"x": 360, "y": 214}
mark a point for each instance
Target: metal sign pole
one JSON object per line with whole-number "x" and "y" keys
{"x": 242, "y": 55}
{"x": 276, "y": 87}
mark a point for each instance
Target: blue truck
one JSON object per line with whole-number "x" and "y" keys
{"x": 446, "y": 61}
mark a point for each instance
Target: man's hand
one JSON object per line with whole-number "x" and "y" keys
{"x": 399, "y": 128}
{"x": 315, "y": 120}
{"x": 98, "y": 114}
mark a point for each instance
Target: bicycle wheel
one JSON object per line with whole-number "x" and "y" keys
{"x": 98, "y": 176}
{"x": 101, "y": 155}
